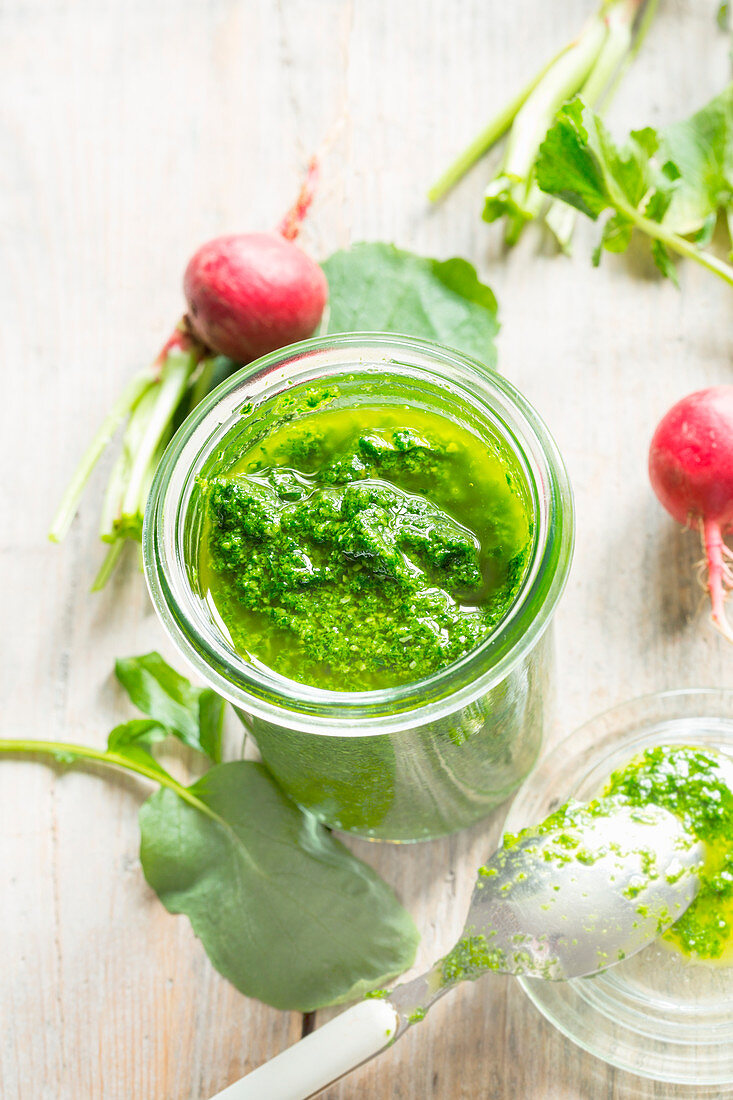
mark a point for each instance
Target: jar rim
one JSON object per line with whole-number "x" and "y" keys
{"x": 269, "y": 695}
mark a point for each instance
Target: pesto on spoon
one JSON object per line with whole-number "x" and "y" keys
{"x": 568, "y": 898}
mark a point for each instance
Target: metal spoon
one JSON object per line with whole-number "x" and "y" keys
{"x": 564, "y": 904}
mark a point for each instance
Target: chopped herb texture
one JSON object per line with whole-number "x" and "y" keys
{"x": 471, "y": 957}
{"x": 366, "y": 547}
{"x": 697, "y": 785}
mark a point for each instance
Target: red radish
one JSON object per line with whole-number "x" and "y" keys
{"x": 250, "y": 293}
{"x": 691, "y": 471}
{"x": 247, "y": 295}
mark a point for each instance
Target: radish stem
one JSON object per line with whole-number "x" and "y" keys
{"x": 511, "y": 190}
{"x": 560, "y": 83}
{"x": 201, "y": 385}
{"x": 99, "y": 756}
{"x": 124, "y": 404}
{"x": 291, "y": 224}
{"x": 676, "y": 243}
{"x": 645, "y": 20}
{"x": 713, "y": 544}
{"x": 110, "y": 561}
{"x": 617, "y": 48}
{"x": 604, "y": 76}
{"x": 133, "y": 434}
{"x": 488, "y": 137}
{"x": 175, "y": 373}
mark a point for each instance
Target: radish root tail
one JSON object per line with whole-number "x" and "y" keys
{"x": 718, "y": 575}
{"x": 289, "y": 227}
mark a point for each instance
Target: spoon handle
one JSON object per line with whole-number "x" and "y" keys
{"x": 321, "y": 1057}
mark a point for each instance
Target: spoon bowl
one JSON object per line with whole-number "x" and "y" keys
{"x": 590, "y": 886}
{"x": 568, "y": 899}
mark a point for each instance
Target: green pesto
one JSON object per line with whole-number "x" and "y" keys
{"x": 417, "y": 1016}
{"x": 697, "y": 785}
{"x": 471, "y": 957}
{"x": 364, "y": 547}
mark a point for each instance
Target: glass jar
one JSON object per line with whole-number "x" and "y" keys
{"x": 409, "y": 762}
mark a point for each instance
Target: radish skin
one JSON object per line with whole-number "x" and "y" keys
{"x": 691, "y": 471}
{"x": 247, "y": 295}
{"x": 251, "y": 293}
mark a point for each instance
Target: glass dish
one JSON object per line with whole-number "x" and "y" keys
{"x": 408, "y": 762}
{"x": 658, "y": 1014}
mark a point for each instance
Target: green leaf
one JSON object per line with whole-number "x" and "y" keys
{"x": 570, "y": 162}
{"x": 632, "y": 168}
{"x": 142, "y": 732}
{"x": 657, "y": 205}
{"x": 616, "y": 234}
{"x": 132, "y": 740}
{"x": 664, "y": 262}
{"x": 211, "y": 723}
{"x": 668, "y": 185}
{"x": 284, "y": 911}
{"x": 193, "y": 715}
{"x": 376, "y": 287}
{"x": 503, "y": 199}
{"x": 701, "y": 147}
{"x": 704, "y": 234}
{"x": 647, "y": 139}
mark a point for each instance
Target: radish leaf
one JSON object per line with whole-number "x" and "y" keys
{"x": 665, "y": 185}
{"x": 701, "y": 147}
{"x": 376, "y": 287}
{"x": 193, "y": 715}
{"x": 284, "y": 910}
{"x": 133, "y": 741}
{"x": 139, "y": 732}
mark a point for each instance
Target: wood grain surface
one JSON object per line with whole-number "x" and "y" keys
{"x": 129, "y": 132}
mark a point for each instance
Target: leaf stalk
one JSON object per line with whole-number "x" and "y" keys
{"x": 104, "y": 756}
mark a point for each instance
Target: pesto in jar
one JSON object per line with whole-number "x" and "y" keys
{"x": 365, "y": 547}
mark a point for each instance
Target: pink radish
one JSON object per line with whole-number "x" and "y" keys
{"x": 247, "y": 294}
{"x": 250, "y": 293}
{"x": 691, "y": 471}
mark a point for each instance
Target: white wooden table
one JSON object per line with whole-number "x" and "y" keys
{"x": 130, "y": 132}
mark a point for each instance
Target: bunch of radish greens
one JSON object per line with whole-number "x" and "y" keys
{"x": 242, "y": 861}
{"x": 253, "y": 293}
{"x": 672, "y": 186}
{"x": 559, "y": 158}
{"x": 590, "y": 65}
{"x": 246, "y": 295}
